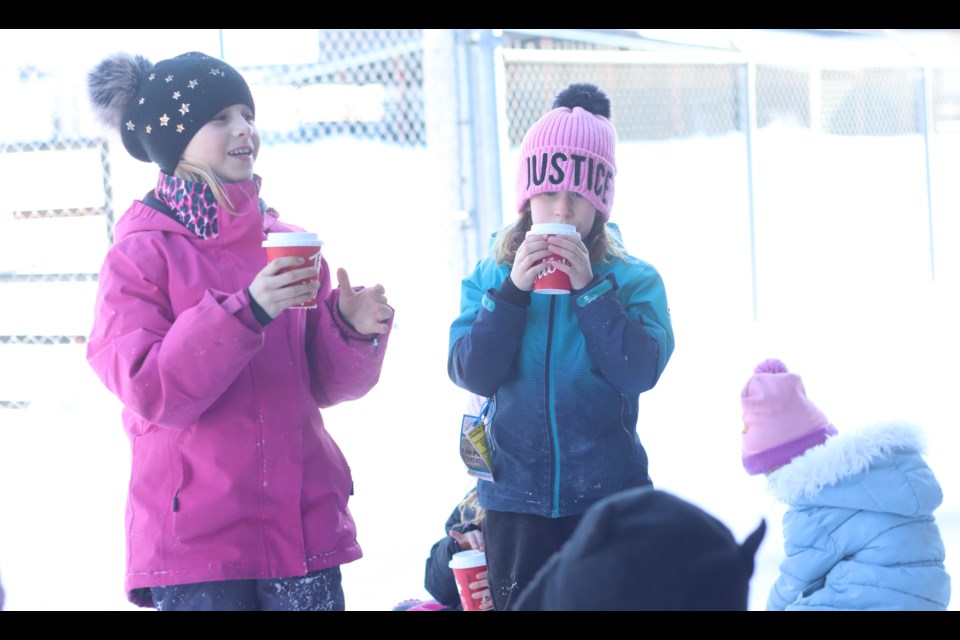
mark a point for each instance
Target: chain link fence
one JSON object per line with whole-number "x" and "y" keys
{"x": 769, "y": 174}
{"x": 773, "y": 189}
{"x": 367, "y": 84}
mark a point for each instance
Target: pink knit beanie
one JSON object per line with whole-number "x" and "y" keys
{"x": 571, "y": 148}
{"x": 779, "y": 422}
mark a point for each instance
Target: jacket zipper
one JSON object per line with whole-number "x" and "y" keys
{"x": 551, "y": 418}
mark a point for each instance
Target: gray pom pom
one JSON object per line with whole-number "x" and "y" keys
{"x": 112, "y": 83}
{"x": 587, "y": 96}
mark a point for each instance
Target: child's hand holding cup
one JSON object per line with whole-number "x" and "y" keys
{"x": 302, "y": 244}
{"x": 470, "y": 570}
{"x": 550, "y": 279}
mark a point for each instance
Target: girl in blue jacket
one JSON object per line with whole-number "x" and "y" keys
{"x": 859, "y": 531}
{"x": 565, "y": 371}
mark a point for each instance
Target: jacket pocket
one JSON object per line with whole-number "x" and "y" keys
{"x": 201, "y": 504}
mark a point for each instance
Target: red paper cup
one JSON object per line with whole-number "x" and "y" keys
{"x": 466, "y": 565}
{"x": 551, "y": 279}
{"x": 305, "y": 245}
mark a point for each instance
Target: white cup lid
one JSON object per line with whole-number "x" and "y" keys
{"x": 292, "y": 239}
{"x": 467, "y": 559}
{"x": 546, "y": 228}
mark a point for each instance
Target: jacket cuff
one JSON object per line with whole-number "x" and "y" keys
{"x": 596, "y": 289}
{"x": 258, "y": 312}
{"x": 239, "y": 305}
{"x": 510, "y": 293}
{"x": 345, "y": 328}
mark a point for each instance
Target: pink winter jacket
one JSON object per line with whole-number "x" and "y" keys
{"x": 234, "y": 475}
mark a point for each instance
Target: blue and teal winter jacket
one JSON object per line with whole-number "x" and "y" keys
{"x": 566, "y": 374}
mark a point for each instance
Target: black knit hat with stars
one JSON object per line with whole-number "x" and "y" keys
{"x": 158, "y": 108}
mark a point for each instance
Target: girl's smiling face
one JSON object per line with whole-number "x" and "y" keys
{"x": 228, "y": 144}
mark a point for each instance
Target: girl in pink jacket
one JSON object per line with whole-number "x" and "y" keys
{"x": 238, "y": 494}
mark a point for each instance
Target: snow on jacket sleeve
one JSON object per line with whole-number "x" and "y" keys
{"x": 344, "y": 364}
{"x": 485, "y": 338}
{"x": 166, "y": 370}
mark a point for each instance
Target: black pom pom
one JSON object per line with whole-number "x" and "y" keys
{"x": 586, "y": 96}
{"x": 112, "y": 83}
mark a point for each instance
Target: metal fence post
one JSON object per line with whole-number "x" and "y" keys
{"x": 485, "y": 112}
{"x": 748, "y": 100}
{"x": 926, "y": 115}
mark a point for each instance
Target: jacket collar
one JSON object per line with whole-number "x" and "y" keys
{"x": 194, "y": 206}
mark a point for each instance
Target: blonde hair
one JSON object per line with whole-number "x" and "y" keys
{"x": 472, "y": 503}
{"x": 193, "y": 172}
{"x": 600, "y": 242}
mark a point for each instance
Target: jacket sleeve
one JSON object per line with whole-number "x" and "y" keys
{"x": 484, "y": 339}
{"x": 167, "y": 370}
{"x": 438, "y": 577}
{"x": 344, "y": 364}
{"x": 629, "y": 336}
{"x": 811, "y": 551}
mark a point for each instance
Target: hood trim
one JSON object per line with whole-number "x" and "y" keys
{"x": 842, "y": 456}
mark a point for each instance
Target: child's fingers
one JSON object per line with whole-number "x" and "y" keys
{"x": 278, "y": 264}
{"x": 289, "y": 277}
{"x": 343, "y": 280}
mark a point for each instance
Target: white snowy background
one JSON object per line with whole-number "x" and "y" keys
{"x": 844, "y": 297}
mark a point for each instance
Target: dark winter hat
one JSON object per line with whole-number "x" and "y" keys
{"x": 646, "y": 550}
{"x": 571, "y": 148}
{"x": 158, "y": 108}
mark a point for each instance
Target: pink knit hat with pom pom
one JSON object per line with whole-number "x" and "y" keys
{"x": 779, "y": 422}
{"x": 571, "y": 148}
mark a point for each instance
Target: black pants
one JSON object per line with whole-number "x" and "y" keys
{"x": 317, "y": 591}
{"x": 517, "y": 545}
